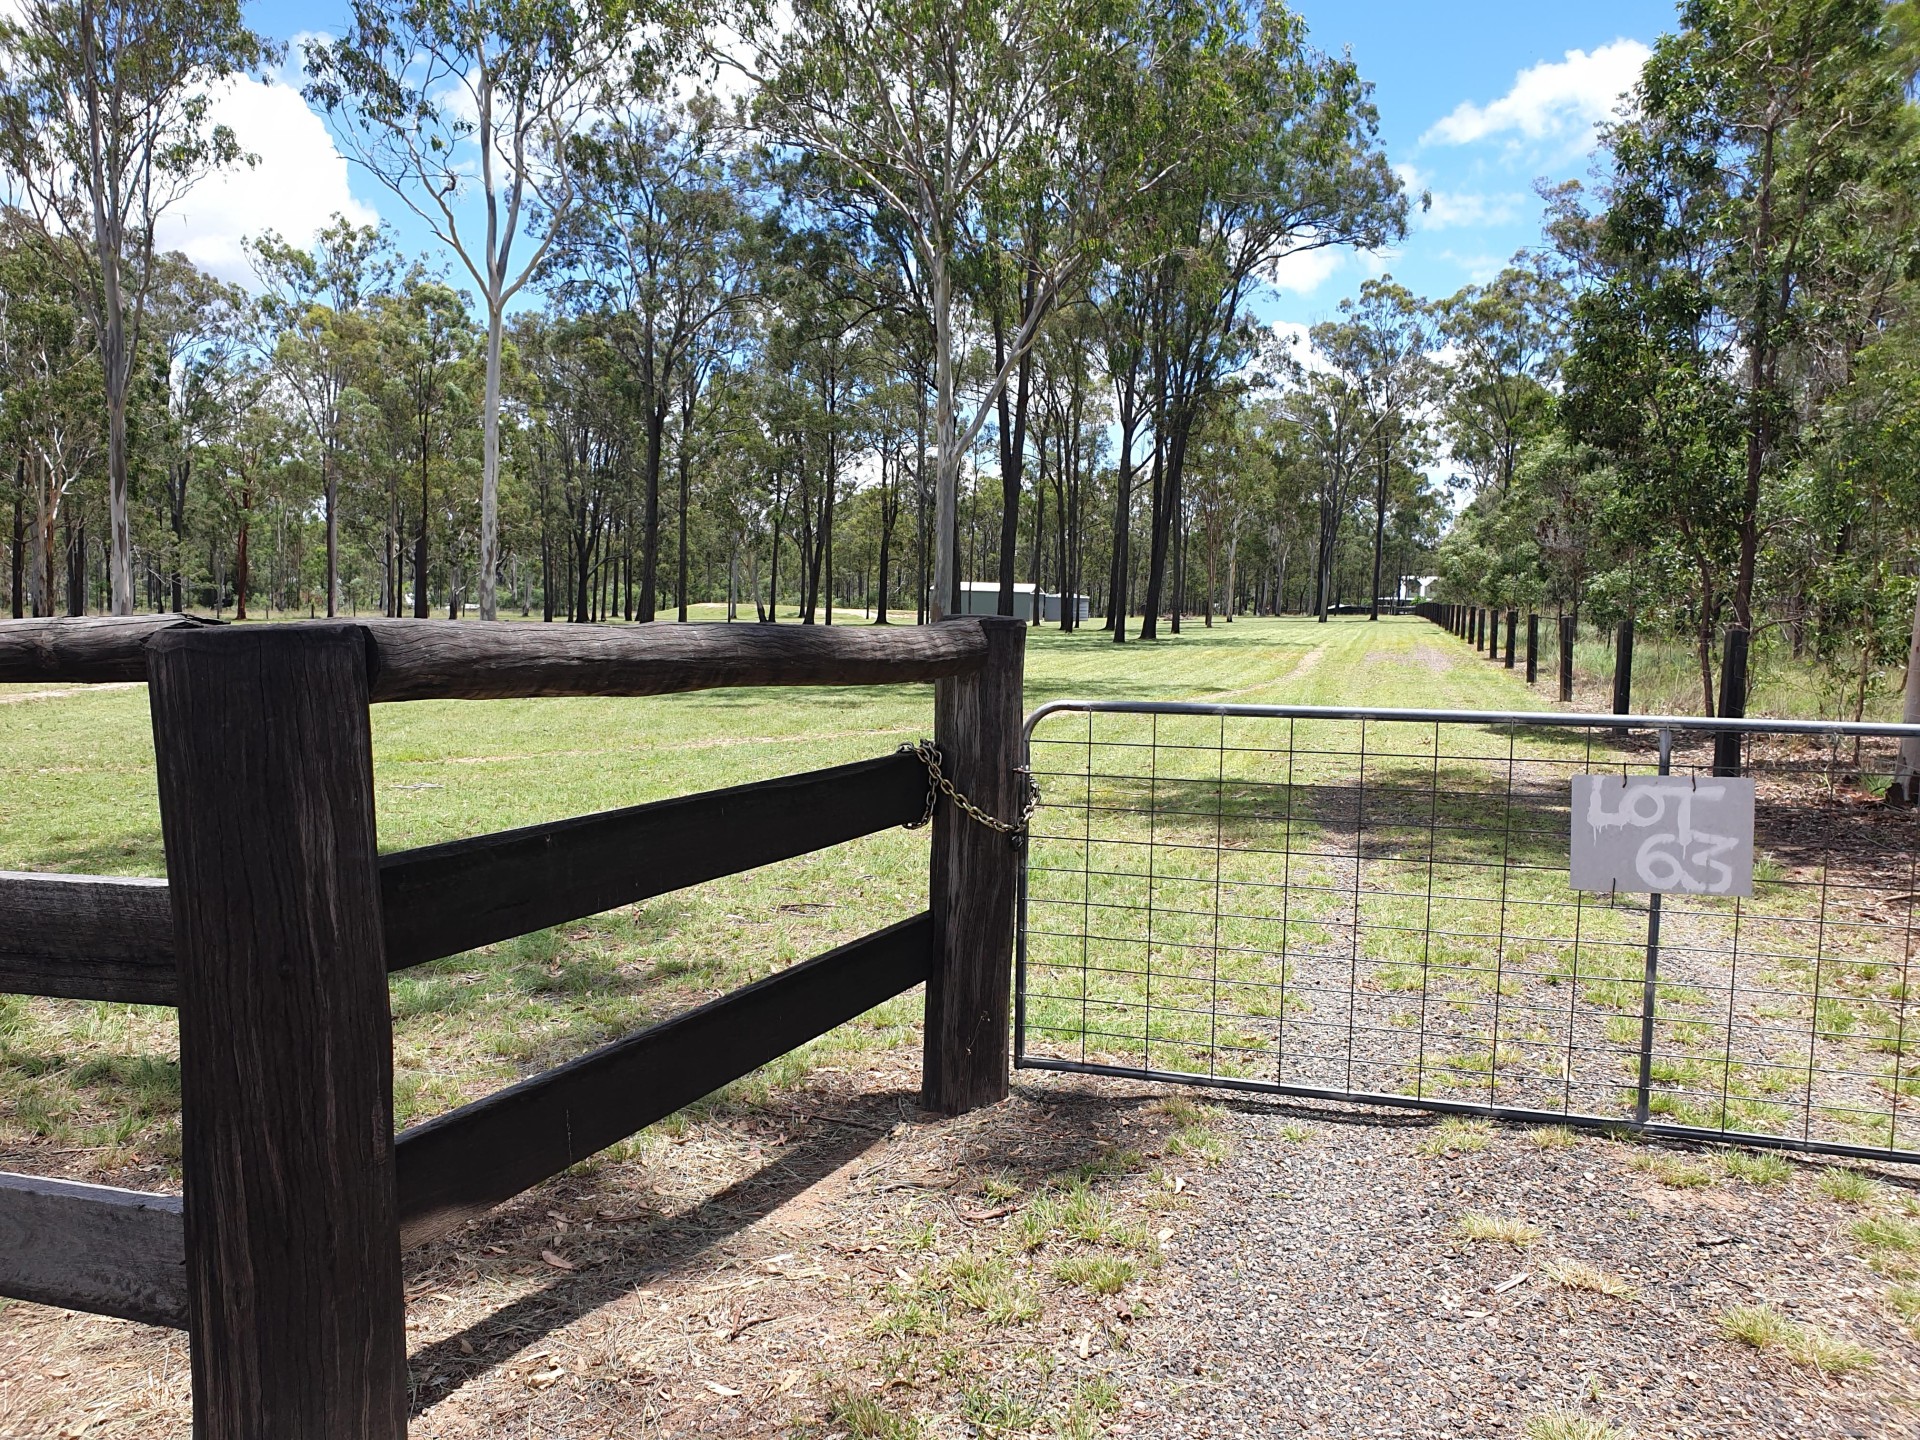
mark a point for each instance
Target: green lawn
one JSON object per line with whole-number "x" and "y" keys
{"x": 92, "y": 1089}
{"x": 1259, "y": 912}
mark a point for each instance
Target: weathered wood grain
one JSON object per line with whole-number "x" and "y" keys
{"x": 86, "y": 937}
{"x": 93, "y": 1248}
{"x": 444, "y": 899}
{"x": 477, "y": 660}
{"x": 472, "y": 660}
{"x": 93, "y": 650}
{"x": 974, "y": 877}
{"x": 265, "y": 764}
{"x": 462, "y": 1163}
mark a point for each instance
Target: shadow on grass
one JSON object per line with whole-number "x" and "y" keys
{"x": 138, "y": 853}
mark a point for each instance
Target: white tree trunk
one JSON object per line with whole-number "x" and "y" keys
{"x": 120, "y": 536}
{"x": 490, "y": 466}
{"x": 946, "y": 479}
{"x": 1908, "y": 780}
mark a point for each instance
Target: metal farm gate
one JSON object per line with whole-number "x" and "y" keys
{"x": 1375, "y": 906}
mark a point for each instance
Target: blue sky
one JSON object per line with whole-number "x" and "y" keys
{"x": 1477, "y": 100}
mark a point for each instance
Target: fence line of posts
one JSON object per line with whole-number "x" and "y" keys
{"x": 1480, "y": 627}
{"x": 279, "y": 922}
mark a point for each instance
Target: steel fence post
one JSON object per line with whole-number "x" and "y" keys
{"x": 1643, "y": 1096}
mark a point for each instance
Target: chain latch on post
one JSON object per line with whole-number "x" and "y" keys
{"x": 938, "y": 784}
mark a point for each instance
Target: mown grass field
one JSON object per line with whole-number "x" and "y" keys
{"x": 91, "y": 1089}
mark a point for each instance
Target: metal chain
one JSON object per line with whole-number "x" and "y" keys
{"x": 938, "y": 784}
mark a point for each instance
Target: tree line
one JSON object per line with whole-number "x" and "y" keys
{"x": 845, "y": 311}
{"x": 948, "y": 293}
{"x": 1696, "y": 407}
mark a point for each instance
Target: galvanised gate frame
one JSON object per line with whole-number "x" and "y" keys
{"x": 1372, "y": 905}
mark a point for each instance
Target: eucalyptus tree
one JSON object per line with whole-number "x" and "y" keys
{"x": 1074, "y": 426}
{"x": 314, "y": 302}
{"x": 580, "y": 432}
{"x": 937, "y": 116}
{"x": 203, "y": 338}
{"x": 1862, "y": 500}
{"x": 49, "y": 410}
{"x": 1383, "y": 343}
{"x": 104, "y": 125}
{"x": 1505, "y": 341}
{"x": 440, "y": 100}
{"x": 1750, "y": 129}
{"x": 823, "y": 355}
{"x": 1327, "y": 411}
{"x": 662, "y": 244}
{"x": 1281, "y": 157}
{"x": 424, "y": 348}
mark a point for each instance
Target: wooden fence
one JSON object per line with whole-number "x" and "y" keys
{"x": 278, "y": 923}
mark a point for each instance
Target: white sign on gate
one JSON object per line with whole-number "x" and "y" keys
{"x": 1674, "y": 834}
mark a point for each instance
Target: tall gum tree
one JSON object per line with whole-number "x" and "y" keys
{"x": 659, "y": 245}
{"x": 1750, "y": 125}
{"x": 933, "y": 114}
{"x": 104, "y": 125}
{"x": 314, "y": 305}
{"x": 1280, "y": 157}
{"x": 451, "y": 104}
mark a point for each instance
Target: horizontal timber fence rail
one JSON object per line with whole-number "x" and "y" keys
{"x": 90, "y": 937}
{"x": 501, "y": 660}
{"x": 278, "y": 922}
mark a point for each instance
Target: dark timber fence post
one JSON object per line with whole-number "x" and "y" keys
{"x": 1733, "y": 702}
{"x": 1513, "y": 624}
{"x": 974, "y": 878}
{"x": 1623, "y": 670}
{"x": 1533, "y": 647}
{"x": 1569, "y": 628}
{"x": 286, "y": 1059}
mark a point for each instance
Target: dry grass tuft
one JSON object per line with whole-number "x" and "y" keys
{"x": 1102, "y": 1274}
{"x": 1756, "y": 1167}
{"x": 1475, "y": 1226}
{"x": 1671, "y": 1171}
{"x": 1583, "y": 1275}
{"x": 1571, "y": 1425}
{"x": 865, "y": 1417}
{"x": 1848, "y": 1187}
{"x": 1765, "y": 1328}
{"x": 1456, "y": 1137}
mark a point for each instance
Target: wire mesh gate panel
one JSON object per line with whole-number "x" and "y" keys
{"x": 1375, "y": 905}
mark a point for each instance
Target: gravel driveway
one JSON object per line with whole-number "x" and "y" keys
{"x": 1324, "y": 1289}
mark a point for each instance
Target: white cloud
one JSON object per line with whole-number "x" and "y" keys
{"x": 1554, "y": 100}
{"x": 1304, "y": 271}
{"x": 1453, "y": 209}
{"x": 297, "y": 187}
